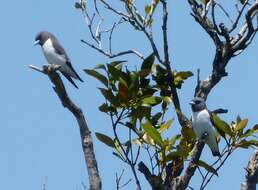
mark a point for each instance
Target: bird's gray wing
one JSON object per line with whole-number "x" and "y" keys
{"x": 71, "y": 67}
{"x": 60, "y": 50}
{"x": 212, "y": 141}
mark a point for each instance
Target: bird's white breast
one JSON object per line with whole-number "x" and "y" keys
{"x": 55, "y": 58}
{"x": 51, "y": 55}
{"x": 202, "y": 123}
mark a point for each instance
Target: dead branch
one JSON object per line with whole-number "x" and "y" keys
{"x": 86, "y": 139}
{"x": 225, "y": 50}
{"x": 96, "y": 32}
{"x": 251, "y": 174}
{"x": 183, "y": 181}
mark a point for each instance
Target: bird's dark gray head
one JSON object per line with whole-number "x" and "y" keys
{"x": 198, "y": 104}
{"x": 42, "y": 37}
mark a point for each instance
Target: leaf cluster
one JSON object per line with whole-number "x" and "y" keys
{"x": 138, "y": 101}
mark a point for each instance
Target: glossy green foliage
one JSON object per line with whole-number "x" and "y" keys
{"x": 138, "y": 100}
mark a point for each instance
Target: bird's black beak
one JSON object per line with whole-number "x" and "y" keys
{"x": 36, "y": 42}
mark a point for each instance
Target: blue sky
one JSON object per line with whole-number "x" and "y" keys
{"x": 39, "y": 140}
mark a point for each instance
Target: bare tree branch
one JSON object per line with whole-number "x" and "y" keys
{"x": 240, "y": 13}
{"x": 251, "y": 174}
{"x": 181, "y": 118}
{"x": 118, "y": 181}
{"x": 224, "y": 52}
{"x": 183, "y": 181}
{"x": 240, "y": 41}
{"x": 86, "y": 139}
{"x": 207, "y": 178}
{"x": 148, "y": 176}
{"x": 113, "y": 55}
{"x": 96, "y": 32}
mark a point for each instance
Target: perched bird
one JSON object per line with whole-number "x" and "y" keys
{"x": 55, "y": 54}
{"x": 203, "y": 124}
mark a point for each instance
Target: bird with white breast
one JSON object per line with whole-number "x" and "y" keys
{"x": 203, "y": 124}
{"x": 55, "y": 54}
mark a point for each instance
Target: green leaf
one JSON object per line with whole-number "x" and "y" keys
{"x": 238, "y": 119}
{"x": 166, "y": 126}
{"x": 118, "y": 147}
{"x": 174, "y": 139}
{"x": 146, "y": 66}
{"x": 123, "y": 92}
{"x": 175, "y": 154}
{"x": 207, "y": 167}
{"x": 151, "y": 101}
{"x": 247, "y": 133}
{"x": 148, "y": 140}
{"x": 188, "y": 133}
{"x": 152, "y": 133}
{"x": 107, "y": 93}
{"x": 118, "y": 75}
{"x": 179, "y": 77}
{"x": 246, "y": 144}
{"x": 144, "y": 73}
{"x": 119, "y": 156}
{"x": 147, "y": 9}
{"x": 148, "y": 62}
{"x": 105, "y": 139}
{"x": 184, "y": 74}
{"x": 104, "y": 108}
{"x": 241, "y": 125}
{"x": 141, "y": 112}
{"x": 157, "y": 116}
{"x": 167, "y": 99}
{"x": 134, "y": 83}
{"x": 97, "y": 75}
{"x": 117, "y": 64}
{"x": 255, "y": 127}
{"x": 100, "y": 66}
{"x": 155, "y": 3}
{"x": 221, "y": 125}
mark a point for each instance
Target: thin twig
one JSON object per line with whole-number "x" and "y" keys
{"x": 113, "y": 55}
{"x": 132, "y": 166}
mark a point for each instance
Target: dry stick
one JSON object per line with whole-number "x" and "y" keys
{"x": 97, "y": 36}
{"x": 181, "y": 118}
{"x": 86, "y": 139}
{"x": 251, "y": 174}
{"x": 205, "y": 183}
{"x": 190, "y": 170}
{"x": 130, "y": 162}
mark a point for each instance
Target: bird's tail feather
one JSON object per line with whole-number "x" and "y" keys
{"x": 77, "y": 76}
{"x": 213, "y": 144}
{"x": 70, "y": 79}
